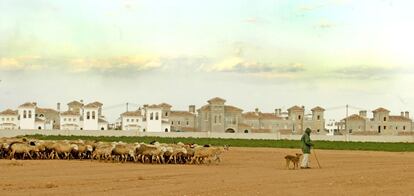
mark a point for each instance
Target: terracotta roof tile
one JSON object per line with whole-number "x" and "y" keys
{"x": 354, "y": 117}
{"x": 100, "y": 120}
{"x": 165, "y": 105}
{"x": 91, "y": 105}
{"x": 28, "y": 104}
{"x": 216, "y": 99}
{"x": 131, "y": 113}
{"x": 318, "y": 109}
{"x": 75, "y": 103}
{"x": 381, "y": 110}
{"x": 181, "y": 113}
{"x": 399, "y": 119}
{"x": 45, "y": 110}
{"x": 296, "y": 108}
{"x": 9, "y": 112}
{"x": 229, "y": 108}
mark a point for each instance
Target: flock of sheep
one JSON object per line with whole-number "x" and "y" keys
{"x": 155, "y": 152}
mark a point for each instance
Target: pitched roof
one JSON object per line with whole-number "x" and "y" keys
{"x": 296, "y": 108}
{"x": 216, "y": 99}
{"x": 75, "y": 103}
{"x": 9, "y": 112}
{"x": 164, "y": 105}
{"x": 204, "y": 107}
{"x": 131, "y": 113}
{"x": 28, "y": 105}
{"x": 317, "y": 108}
{"x": 250, "y": 115}
{"x": 45, "y": 110}
{"x": 154, "y": 106}
{"x": 380, "y": 109}
{"x": 399, "y": 119}
{"x": 181, "y": 113}
{"x": 354, "y": 117}
{"x": 92, "y": 105}
{"x": 69, "y": 113}
{"x": 99, "y": 104}
{"x": 229, "y": 108}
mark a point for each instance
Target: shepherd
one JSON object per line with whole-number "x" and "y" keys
{"x": 306, "y": 148}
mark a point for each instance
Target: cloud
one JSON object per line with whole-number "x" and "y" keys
{"x": 135, "y": 63}
{"x": 240, "y": 65}
{"x": 21, "y": 63}
{"x": 366, "y": 72}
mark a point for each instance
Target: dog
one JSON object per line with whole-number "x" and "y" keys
{"x": 294, "y": 159}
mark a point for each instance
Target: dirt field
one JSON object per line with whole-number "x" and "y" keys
{"x": 244, "y": 171}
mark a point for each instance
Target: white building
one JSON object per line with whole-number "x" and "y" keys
{"x": 83, "y": 117}
{"x": 27, "y": 117}
{"x": 9, "y": 119}
{"x": 70, "y": 120}
{"x": 132, "y": 121}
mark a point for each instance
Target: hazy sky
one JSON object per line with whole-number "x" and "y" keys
{"x": 266, "y": 54}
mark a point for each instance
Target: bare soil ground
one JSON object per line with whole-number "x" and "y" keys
{"x": 244, "y": 171}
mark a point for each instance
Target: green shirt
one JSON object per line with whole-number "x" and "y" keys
{"x": 306, "y": 143}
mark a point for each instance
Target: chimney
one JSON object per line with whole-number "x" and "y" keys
{"x": 35, "y": 103}
{"x": 402, "y": 114}
{"x": 407, "y": 114}
{"x": 363, "y": 113}
{"x": 278, "y": 112}
{"x": 58, "y": 107}
{"x": 191, "y": 108}
{"x": 256, "y": 110}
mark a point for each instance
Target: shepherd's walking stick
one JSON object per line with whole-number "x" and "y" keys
{"x": 319, "y": 166}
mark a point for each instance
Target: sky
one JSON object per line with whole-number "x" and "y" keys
{"x": 264, "y": 54}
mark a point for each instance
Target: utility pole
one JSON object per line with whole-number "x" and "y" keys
{"x": 127, "y": 106}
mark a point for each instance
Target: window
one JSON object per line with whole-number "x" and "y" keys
{"x": 179, "y": 123}
{"x": 172, "y": 122}
{"x": 166, "y": 113}
{"x": 152, "y": 116}
{"x": 64, "y": 119}
{"x": 187, "y": 123}
{"x": 88, "y": 115}
{"x": 166, "y": 130}
{"x": 246, "y": 131}
{"x": 215, "y": 119}
{"x": 30, "y": 114}
{"x": 318, "y": 117}
{"x": 127, "y": 119}
{"x": 39, "y": 127}
{"x": 396, "y": 128}
{"x": 24, "y": 114}
{"x": 74, "y": 119}
{"x": 7, "y": 119}
{"x": 102, "y": 128}
{"x": 404, "y": 128}
{"x": 318, "y": 130}
{"x": 41, "y": 115}
{"x": 220, "y": 119}
{"x": 2, "y": 119}
{"x": 12, "y": 119}
{"x": 156, "y": 116}
{"x": 385, "y": 127}
{"x": 299, "y": 117}
{"x": 69, "y": 119}
{"x": 385, "y": 118}
{"x": 93, "y": 114}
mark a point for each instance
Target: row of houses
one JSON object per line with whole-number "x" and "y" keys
{"x": 215, "y": 116}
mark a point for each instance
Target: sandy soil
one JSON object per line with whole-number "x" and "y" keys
{"x": 244, "y": 171}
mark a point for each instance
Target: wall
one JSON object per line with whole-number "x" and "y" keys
{"x": 270, "y": 136}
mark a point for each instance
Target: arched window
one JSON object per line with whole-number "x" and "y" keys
{"x": 102, "y": 128}
{"x": 30, "y": 114}
{"x": 318, "y": 117}
{"x": 39, "y": 127}
{"x": 156, "y": 116}
{"x": 93, "y": 114}
{"x": 246, "y": 131}
{"x": 299, "y": 117}
{"x": 88, "y": 115}
{"x": 166, "y": 113}
{"x": 143, "y": 130}
{"x": 404, "y": 128}
{"x": 151, "y": 116}
{"x": 24, "y": 114}
{"x": 385, "y": 118}
{"x": 166, "y": 130}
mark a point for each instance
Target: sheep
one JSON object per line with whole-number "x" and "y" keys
{"x": 21, "y": 148}
{"x": 177, "y": 152}
{"x": 154, "y": 151}
{"x": 122, "y": 151}
{"x": 203, "y": 153}
{"x": 63, "y": 148}
{"x": 102, "y": 151}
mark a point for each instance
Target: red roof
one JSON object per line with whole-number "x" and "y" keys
{"x": 381, "y": 110}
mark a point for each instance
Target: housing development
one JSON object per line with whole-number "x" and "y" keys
{"x": 215, "y": 116}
